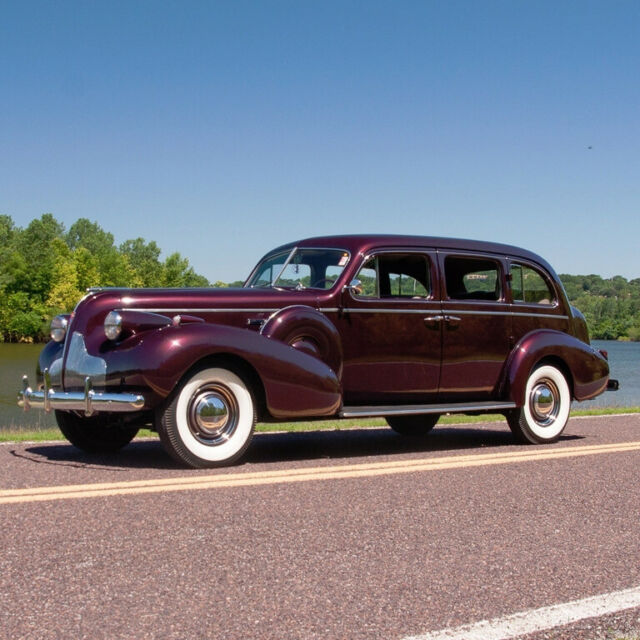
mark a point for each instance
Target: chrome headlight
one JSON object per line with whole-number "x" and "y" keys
{"x": 59, "y": 327}
{"x": 113, "y": 325}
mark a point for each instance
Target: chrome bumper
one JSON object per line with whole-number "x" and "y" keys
{"x": 88, "y": 400}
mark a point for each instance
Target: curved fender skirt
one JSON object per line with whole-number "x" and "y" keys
{"x": 589, "y": 369}
{"x": 296, "y": 384}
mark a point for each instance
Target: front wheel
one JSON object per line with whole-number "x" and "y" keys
{"x": 545, "y": 412}
{"x": 209, "y": 420}
{"x": 101, "y": 433}
{"x": 418, "y": 425}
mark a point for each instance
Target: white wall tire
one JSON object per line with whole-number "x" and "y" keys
{"x": 209, "y": 420}
{"x": 546, "y": 408}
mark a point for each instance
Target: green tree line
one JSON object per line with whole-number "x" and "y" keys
{"x": 45, "y": 270}
{"x": 611, "y": 306}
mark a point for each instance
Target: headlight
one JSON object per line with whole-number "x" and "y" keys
{"x": 59, "y": 328}
{"x": 113, "y": 325}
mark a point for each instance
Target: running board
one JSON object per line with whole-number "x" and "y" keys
{"x": 418, "y": 409}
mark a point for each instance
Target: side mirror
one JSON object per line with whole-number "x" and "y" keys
{"x": 354, "y": 287}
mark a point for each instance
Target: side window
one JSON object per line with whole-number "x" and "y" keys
{"x": 472, "y": 278}
{"x": 395, "y": 276}
{"x": 368, "y": 277}
{"x": 530, "y": 286}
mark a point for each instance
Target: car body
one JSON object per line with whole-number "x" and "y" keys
{"x": 404, "y": 327}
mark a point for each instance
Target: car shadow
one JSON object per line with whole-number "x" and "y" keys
{"x": 357, "y": 443}
{"x": 289, "y": 446}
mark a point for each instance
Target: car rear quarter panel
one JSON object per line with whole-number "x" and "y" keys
{"x": 587, "y": 369}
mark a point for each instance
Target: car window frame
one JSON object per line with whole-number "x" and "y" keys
{"x": 551, "y": 283}
{"x": 472, "y": 255}
{"x": 429, "y": 254}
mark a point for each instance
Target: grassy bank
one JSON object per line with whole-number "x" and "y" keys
{"x": 34, "y": 435}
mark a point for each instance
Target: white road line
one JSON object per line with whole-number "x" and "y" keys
{"x": 519, "y": 624}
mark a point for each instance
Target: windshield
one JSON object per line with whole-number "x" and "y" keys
{"x": 299, "y": 268}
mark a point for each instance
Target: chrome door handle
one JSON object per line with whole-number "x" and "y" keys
{"x": 433, "y": 322}
{"x": 452, "y": 322}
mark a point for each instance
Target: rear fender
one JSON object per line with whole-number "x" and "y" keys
{"x": 587, "y": 369}
{"x": 296, "y": 384}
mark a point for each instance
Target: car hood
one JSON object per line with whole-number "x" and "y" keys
{"x": 93, "y": 308}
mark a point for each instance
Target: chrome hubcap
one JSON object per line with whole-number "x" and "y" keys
{"x": 213, "y": 415}
{"x": 544, "y": 402}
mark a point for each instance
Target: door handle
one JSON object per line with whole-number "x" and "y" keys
{"x": 433, "y": 322}
{"x": 452, "y": 321}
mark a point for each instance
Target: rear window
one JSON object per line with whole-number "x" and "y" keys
{"x": 530, "y": 286}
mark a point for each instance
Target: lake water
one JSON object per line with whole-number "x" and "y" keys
{"x": 18, "y": 359}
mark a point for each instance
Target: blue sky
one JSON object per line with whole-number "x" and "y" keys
{"x": 222, "y": 129}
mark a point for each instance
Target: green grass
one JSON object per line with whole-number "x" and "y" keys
{"x": 40, "y": 435}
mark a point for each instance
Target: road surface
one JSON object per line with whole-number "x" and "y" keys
{"x": 357, "y": 534}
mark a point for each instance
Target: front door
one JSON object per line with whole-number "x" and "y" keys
{"x": 391, "y": 330}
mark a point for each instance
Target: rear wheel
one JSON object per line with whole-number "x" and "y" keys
{"x": 546, "y": 408}
{"x": 209, "y": 420}
{"x": 101, "y": 433}
{"x": 413, "y": 425}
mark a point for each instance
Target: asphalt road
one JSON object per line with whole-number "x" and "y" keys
{"x": 358, "y": 534}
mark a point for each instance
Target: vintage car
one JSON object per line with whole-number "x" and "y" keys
{"x": 404, "y": 327}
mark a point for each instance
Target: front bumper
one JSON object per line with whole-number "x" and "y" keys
{"x": 88, "y": 400}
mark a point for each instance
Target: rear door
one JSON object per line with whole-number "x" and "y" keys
{"x": 476, "y": 335}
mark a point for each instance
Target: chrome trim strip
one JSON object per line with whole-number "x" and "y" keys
{"x": 419, "y": 311}
{"x": 88, "y": 401}
{"x": 506, "y": 313}
{"x": 419, "y": 409}
{"x": 185, "y": 310}
{"x": 354, "y": 310}
{"x": 457, "y": 311}
{"x": 540, "y": 315}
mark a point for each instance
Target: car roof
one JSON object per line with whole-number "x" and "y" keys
{"x": 363, "y": 243}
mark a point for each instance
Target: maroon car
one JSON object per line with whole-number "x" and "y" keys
{"x": 403, "y": 327}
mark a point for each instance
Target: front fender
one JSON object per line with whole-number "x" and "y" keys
{"x": 50, "y": 358}
{"x": 587, "y": 367}
{"x": 296, "y": 384}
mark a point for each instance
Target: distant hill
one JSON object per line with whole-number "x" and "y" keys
{"x": 611, "y": 306}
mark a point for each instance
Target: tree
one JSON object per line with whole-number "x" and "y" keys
{"x": 91, "y": 236}
{"x": 144, "y": 258}
{"x": 86, "y": 266}
{"x": 64, "y": 293}
{"x": 178, "y": 273}
{"x": 35, "y": 273}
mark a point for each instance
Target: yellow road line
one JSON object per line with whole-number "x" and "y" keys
{"x": 256, "y": 478}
